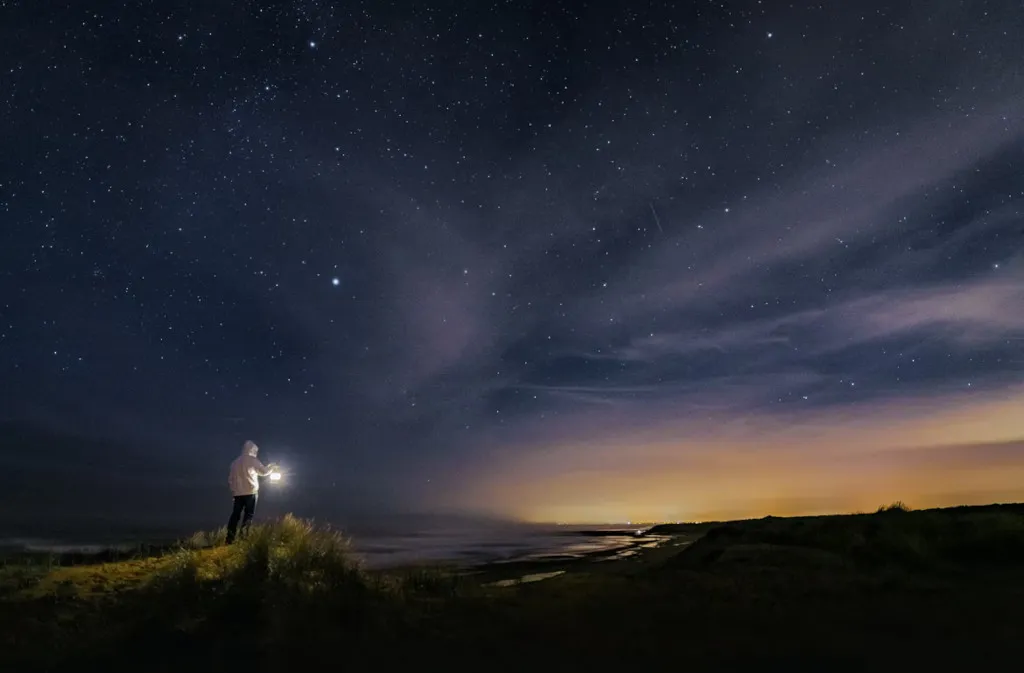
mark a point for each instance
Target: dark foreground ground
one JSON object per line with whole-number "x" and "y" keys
{"x": 911, "y": 591}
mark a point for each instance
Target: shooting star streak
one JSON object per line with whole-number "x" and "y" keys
{"x": 656, "y": 220}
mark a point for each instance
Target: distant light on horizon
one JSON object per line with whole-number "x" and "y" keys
{"x": 933, "y": 451}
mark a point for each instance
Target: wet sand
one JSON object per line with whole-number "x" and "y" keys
{"x": 635, "y": 553}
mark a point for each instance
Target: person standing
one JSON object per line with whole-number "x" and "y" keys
{"x": 244, "y": 481}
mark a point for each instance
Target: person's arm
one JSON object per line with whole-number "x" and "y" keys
{"x": 261, "y": 469}
{"x": 267, "y": 470}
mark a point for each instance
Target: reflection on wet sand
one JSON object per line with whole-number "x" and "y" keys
{"x": 526, "y": 579}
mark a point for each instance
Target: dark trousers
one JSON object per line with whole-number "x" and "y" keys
{"x": 243, "y": 503}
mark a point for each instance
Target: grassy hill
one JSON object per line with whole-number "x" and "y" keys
{"x": 892, "y": 590}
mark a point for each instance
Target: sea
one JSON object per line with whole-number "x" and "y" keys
{"x": 477, "y": 546}
{"x": 390, "y": 547}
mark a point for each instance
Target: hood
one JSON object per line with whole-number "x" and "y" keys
{"x": 250, "y": 448}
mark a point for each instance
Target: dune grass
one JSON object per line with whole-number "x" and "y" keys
{"x": 894, "y": 507}
{"x": 291, "y": 595}
{"x": 281, "y": 585}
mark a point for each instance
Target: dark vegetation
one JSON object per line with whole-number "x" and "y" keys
{"x": 893, "y": 590}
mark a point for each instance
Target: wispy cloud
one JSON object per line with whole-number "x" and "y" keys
{"x": 822, "y": 213}
{"x": 964, "y": 316}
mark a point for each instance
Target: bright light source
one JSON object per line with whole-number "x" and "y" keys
{"x": 275, "y": 476}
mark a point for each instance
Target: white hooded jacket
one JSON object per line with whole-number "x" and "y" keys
{"x": 246, "y": 470}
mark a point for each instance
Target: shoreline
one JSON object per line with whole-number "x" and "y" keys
{"x": 634, "y": 556}
{"x": 416, "y": 547}
{"x": 461, "y": 561}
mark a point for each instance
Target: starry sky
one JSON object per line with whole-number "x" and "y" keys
{"x": 573, "y": 261}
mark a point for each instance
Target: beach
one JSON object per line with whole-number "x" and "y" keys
{"x": 474, "y": 547}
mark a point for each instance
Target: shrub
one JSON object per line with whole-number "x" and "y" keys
{"x": 898, "y": 506}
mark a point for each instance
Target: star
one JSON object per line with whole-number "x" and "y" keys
{"x": 335, "y": 282}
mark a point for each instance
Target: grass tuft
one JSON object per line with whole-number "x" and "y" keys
{"x": 206, "y": 539}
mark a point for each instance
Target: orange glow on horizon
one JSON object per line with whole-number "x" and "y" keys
{"x": 940, "y": 451}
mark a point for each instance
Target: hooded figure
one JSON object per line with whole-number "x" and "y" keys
{"x": 243, "y": 479}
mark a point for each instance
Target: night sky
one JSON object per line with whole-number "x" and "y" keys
{"x": 575, "y": 261}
